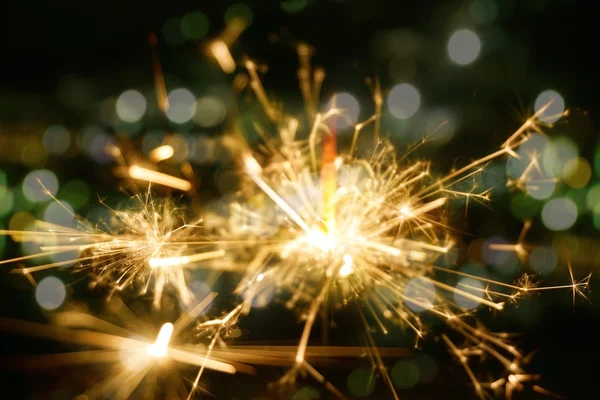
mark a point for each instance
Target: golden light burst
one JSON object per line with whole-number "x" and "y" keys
{"x": 332, "y": 229}
{"x": 148, "y": 245}
{"x": 366, "y": 232}
{"x": 139, "y": 350}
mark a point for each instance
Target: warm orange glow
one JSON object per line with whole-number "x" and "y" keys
{"x": 161, "y": 153}
{"x": 148, "y": 175}
{"x": 221, "y": 53}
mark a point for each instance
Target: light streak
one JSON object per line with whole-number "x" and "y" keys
{"x": 160, "y": 347}
{"x": 148, "y": 175}
{"x": 221, "y": 53}
{"x": 148, "y": 243}
{"x": 161, "y": 153}
{"x": 368, "y": 229}
{"x": 130, "y": 356}
{"x": 159, "y": 80}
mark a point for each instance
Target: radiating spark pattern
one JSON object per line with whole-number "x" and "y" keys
{"x": 366, "y": 232}
{"x": 349, "y": 231}
{"x": 133, "y": 350}
{"x": 149, "y": 244}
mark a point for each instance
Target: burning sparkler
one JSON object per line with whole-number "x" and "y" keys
{"x": 366, "y": 232}
{"x": 134, "y": 351}
{"x": 147, "y": 244}
{"x": 349, "y": 231}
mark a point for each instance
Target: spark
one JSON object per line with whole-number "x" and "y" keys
{"x": 124, "y": 345}
{"x": 148, "y": 175}
{"x": 149, "y": 243}
{"x": 221, "y": 53}
{"x": 369, "y": 230}
{"x": 161, "y": 153}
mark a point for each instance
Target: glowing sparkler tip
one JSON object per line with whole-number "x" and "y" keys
{"x": 161, "y": 153}
{"x": 251, "y": 165}
{"x": 347, "y": 267}
{"x": 159, "y": 348}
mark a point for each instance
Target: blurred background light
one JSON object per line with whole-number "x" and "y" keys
{"x": 593, "y": 197}
{"x": 210, "y": 112}
{"x": 554, "y": 111}
{"x": 559, "y": 214}
{"x": 405, "y": 374}
{"x": 172, "y": 32}
{"x": 182, "y": 106}
{"x": 349, "y": 109}
{"x": 50, "y": 293}
{"x": 57, "y": 139}
{"x": 32, "y": 189}
{"x": 6, "y": 200}
{"x": 540, "y": 187}
{"x": 441, "y": 124}
{"x": 293, "y": 6}
{"x": 577, "y": 172}
{"x": 472, "y": 287}
{"x": 131, "y": 106}
{"x": 404, "y": 100}
{"x": 75, "y": 192}
{"x": 194, "y": 25}
{"x": 60, "y": 214}
{"x": 203, "y": 150}
{"x": 241, "y": 11}
{"x": 542, "y": 260}
{"x": 179, "y": 144}
{"x": 557, "y": 153}
{"x": 422, "y": 290}
{"x": 95, "y": 140}
{"x": 361, "y": 382}
{"x": 483, "y": 11}
{"x": 464, "y": 46}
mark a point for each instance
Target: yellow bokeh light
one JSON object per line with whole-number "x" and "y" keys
{"x": 577, "y": 172}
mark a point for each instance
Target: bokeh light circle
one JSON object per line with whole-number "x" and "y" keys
{"x": 542, "y": 260}
{"x": 469, "y": 293}
{"x": 182, "y": 106}
{"x": 210, "y": 112}
{"x": 57, "y": 139}
{"x": 577, "y": 172}
{"x": 361, "y": 382}
{"x": 404, "y": 100}
{"x": 33, "y": 190}
{"x": 405, "y": 374}
{"x": 419, "y": 294}
{"x": 348, "y": 107}
{"x": 555, "y": 103}
{"x": 50, "y": 293}
{"x": 559, "y": 214}
{"x": 131, "y": 106}
{"x": 464, "y": 46}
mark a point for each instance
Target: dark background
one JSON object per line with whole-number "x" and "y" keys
{"x": 529, "y": 46}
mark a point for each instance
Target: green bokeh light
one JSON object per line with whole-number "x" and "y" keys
{"x": 239, "y": 10}
{"x": 593, "y": 197}
{"x": 2, "y": 241}
{"x": 172, "y": 32}
{"x": 293, "y": 6}
{"x": 596, "y": 216}
{"x": 524, "y": 206}
{"x": 194, "y": 25}
{"x": 361, "y": 382}
{"x": 306, "y": 393}
{"x": 405, "y": 374}
{"x": 597, "y": 160}
{"x": 76, "y": 193}
{"x": 6, "y": 200}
